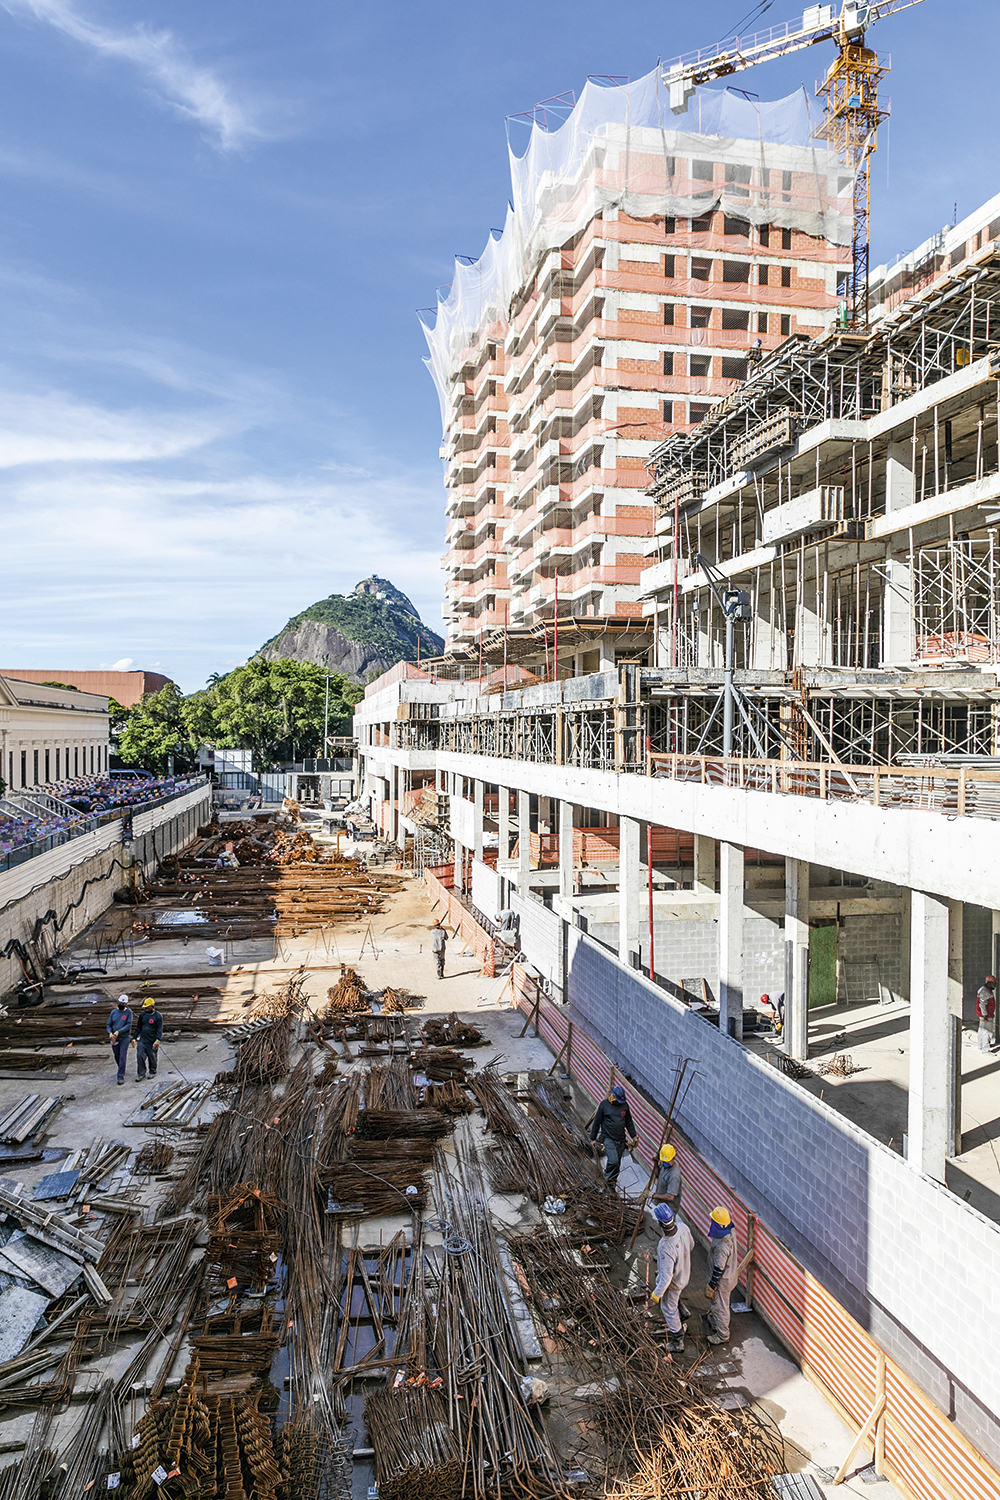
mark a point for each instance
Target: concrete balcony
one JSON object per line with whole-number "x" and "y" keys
{"x": 663, "y": 575}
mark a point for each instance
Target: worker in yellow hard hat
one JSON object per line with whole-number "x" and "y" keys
{"x": 668, "y": 1178}
{"x": 723, "y": 1263}
{"x": 148, "y": 1031}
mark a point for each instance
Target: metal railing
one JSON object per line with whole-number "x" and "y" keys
{"x": 959, "y": 791}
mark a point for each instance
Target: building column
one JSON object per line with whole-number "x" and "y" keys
{"x": 930, "y": 1025}
{"x": 704, "y": 865}
{"x": 566, "y": 866}
{"x": 897, "y": 609}
{"x": 797, "y": 958}
{"x": 628, "y": 889}
{"x": 523, "y": 842}
{"x": 956, "y": 1007}
{"x": 477, "y": 834}
{"x": 503, "y": 826}
{"x": 731, "y": 940}
{"x": 994, "y": 965}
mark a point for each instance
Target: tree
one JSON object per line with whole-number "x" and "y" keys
{"x": 276, "y": 708}
{"x": 154, "y": 731}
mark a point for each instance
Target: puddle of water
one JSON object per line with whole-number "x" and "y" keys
{"x": 187, "y": 918}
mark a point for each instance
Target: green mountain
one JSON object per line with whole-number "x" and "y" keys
{"x": 360, "y": 634}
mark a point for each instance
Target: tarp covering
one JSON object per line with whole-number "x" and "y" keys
{"x": 622, "y": 148}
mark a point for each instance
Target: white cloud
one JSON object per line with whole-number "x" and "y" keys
{"x": 124, "y": 665}
{"x": 52, "y": 427}
{"x": 193, "y": 91}
{"x": 198, "y": 573}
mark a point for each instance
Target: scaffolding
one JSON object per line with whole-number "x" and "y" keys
{"x": 957, "y": 600}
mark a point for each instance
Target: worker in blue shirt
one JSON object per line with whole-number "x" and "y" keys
{"x": 149, "y": 1029}
{"x": 120, "y": 1033}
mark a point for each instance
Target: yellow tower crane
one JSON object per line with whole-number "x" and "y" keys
{"x": 851, "y": 115}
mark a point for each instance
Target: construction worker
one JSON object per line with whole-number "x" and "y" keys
{"x": 612, "y": 1126}
{"x": 673, "y": 1271}
{"x": 668, "y": 1178}
{"x": 120, "y": 1032}
{"x": 438, "y": 942}
{"x": 723, "y": 1263}
{"x": 148, "y": 1030}
{"x": 986, "y": 1009}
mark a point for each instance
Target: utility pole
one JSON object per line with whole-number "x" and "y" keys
{"x": 326, "y": 720}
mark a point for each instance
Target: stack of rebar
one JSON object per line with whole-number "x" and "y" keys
{"x": 417, "y": 1456}
{"x": 452, "y": 1033}
{"x": 348, "y": 996}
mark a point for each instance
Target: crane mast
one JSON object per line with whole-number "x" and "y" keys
{"x": 852, "y": 113}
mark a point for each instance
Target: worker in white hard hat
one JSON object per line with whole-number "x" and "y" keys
{"x": 673, "y": 1267}
{"x": 668, "y": 1178}
{"x": 723, "y": 1261}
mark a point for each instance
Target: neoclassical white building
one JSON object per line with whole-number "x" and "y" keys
{"x": 49, "y": 735}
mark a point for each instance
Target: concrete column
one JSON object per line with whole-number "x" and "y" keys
{"x": 899, "y": 486}
{"x": 994, "y": 965}
{"x": 523, "y": 842}
{"x": 704, "y": 864}
{"x": 956, "y": 968}
{"x": 797, "y": 958}
{"x": 897, "y": 612}
{"x": 705, "y": 635}
{"x": 769, "y": 649}
{"x": 566, "y": 870}
{"x": 477, "y": 835}
{"x": 956, "y": 1007}
{"x": 607, "y": 649}
{"x": 927, "y": 1113}
{"x": 628, "y": 889}
{"x": 503, "y": 840}
{"x": 897, "y": 635}
{"x": 731, "y": 940}
{"x": 395, "y": 796}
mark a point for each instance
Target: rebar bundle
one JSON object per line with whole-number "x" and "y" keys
{"x": 396, "y": 1001}
{"x": 438, "y": 1064}
{"x": 348, "y": 996}
{"x": 416, "y": 1124}
{"x": 449, "y": 1097}
{"x": 390, "y": 1086}
{"x": 417, "y": 1456}
{"x": 453, "y": 1033}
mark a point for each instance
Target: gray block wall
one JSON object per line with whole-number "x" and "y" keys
{"x": 894, "y": 1247}
{"x": 870, "y": 952}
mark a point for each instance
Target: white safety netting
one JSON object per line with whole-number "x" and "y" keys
{"x": 621, "y": 147}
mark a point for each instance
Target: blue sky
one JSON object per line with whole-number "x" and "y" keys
{"x": 217, "y": 222}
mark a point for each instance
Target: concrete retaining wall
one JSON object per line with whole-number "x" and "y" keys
{"x": 896, "y": 1248}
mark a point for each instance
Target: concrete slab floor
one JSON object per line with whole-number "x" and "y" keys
{"x": 875, "y": 1096}
{"x": 393, "y": 947}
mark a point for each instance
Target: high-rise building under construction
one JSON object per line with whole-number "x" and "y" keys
{"x": 644, "y": 261}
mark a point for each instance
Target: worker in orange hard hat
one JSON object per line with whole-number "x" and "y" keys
{"x": 723, "y": 1261}
{"x": 668, "y": 1178}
